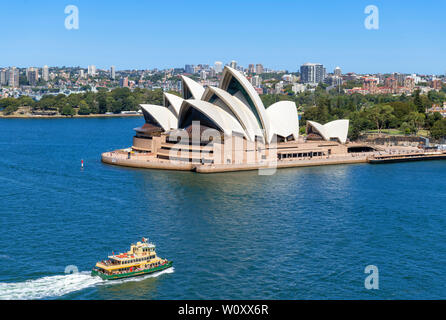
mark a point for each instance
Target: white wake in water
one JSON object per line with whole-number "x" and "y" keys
{"x": 52, "y": 286}
{"x": 57, "y": 286}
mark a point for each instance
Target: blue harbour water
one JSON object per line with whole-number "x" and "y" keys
{"x": 304, "y": 233}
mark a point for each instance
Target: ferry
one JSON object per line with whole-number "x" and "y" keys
{"x": 140, "y": 260}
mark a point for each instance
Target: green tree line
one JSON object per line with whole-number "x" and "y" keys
{"x": 406, "y": 113}
{"x": 117, "y": 100}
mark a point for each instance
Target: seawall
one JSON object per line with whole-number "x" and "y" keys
{"x": 120, "y": 160}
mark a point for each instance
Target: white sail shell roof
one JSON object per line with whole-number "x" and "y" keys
{"x": 337, "y": 129}
{"x": 239, "y": 110}
{"x": 258, "y": 106}
{"x": 195, "y": 88}
{"x": 163, "y": 116}
{"x": 173, "y": 103}
{"x": 222, "y": 119}
{"x": 236, "y": 107}
{"x": 284, "y": 119}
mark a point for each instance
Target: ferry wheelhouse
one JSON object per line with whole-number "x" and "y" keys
{"x": 141, "y": 259}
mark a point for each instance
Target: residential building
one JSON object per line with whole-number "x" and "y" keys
{"x": 218, "y": 66}
{"x": 251, "y": 69}
{"x": 4, "y": 77}
{"x": 124, "y": 82}
{"x": 259, "y": 68}
{"x": 337, "y": 72}
{"x": 32, "y": 75}
{"x": 112, "y": 72}
{"x": 256, "y": 81}
{"x": 45, "y": 73}
{"x": 189, "y": 68}
{"x": 312, "y": 73}
{"x": 92, "y": 70}
{"x": 13, "y": 77}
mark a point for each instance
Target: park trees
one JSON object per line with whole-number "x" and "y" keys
{"x": 417, "y": 120}
{"x": 83, "y": 108}
{"x": 380, "y": 115}
{"x": 67, "y": 110}
{"x": 438, "y": 130}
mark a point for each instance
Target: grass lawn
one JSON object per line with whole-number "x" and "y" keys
{"x": 422, "y": 132}
{"x": 388, "y": 131}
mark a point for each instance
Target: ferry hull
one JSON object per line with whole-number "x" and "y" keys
{"x": 131, "y": 274}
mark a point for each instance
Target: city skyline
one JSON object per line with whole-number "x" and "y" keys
{"x": 149, "y": 35}
{"x": 246, "y": 68}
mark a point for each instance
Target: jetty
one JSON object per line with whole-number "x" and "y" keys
{"x": 405, "y": 157}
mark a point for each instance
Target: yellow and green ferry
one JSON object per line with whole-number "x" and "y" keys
{"x": 140, "y": 260}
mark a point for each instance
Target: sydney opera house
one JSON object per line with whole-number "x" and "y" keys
{"x": 227, "y": 128}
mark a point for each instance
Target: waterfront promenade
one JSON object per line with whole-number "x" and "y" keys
{"x": 149, "y": 161}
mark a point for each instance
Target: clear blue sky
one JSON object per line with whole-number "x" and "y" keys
{"x": 281, "y": 34}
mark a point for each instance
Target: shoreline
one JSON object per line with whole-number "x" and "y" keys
{"x": 68, "y": 117}
{"x": 114, "y": 158}
{"x": 150, "y": 163}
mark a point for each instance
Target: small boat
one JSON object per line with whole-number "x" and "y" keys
{"x": 140, "y": 260}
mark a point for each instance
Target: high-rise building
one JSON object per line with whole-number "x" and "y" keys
{"x": 218, "y": 66}
{"x": 399, "y": 78}
{"x": 112, "y": 72}
{"x": 259, "y": 68}
{"x": 392, "y": 83}
{"x": 278, "y": 88}
{"x": 92, "y": 70}
{"x": 81, "y": 73}
{"x": 203, "y": 75}
{"x": 124, "y": 82}
{"x": 251, "y": 68}
{"x": 409, "y": 83}
{"x": 233, "y": 64}
{"x": 436, "y": 84}
{"x": 336, "y": 81}
{"x": 45, "y": 73}
{"x": 337, "y": 72}
{"x": 4, "y": 77}
{"x": 371, "y": 84}
{"x": 256, "y": 81}
{"x": 32, "y": 74}
{"x": 13, "y": 77}
{"x": 189, "y": 68}
{"x": 312, "y": 73}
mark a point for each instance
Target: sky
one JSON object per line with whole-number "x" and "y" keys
{"x": 280, "y": 34}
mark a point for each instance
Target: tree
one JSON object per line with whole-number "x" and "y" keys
{"x": 380, "y": 115}
{"x": 26, "y": 101}
{"x": 438, "y": 130}
{"x": 102, "y": 102}
{"x": 68, "y": 110}
{"x": 9, "y": 102}
{"x": 83, "y": 108}
{"x": 417, "y": 119}
{"x": 432, "y": 118}
{"x": 73, "y": 100}
{"x": 401, "y": 110}
{"x": 418, "y": 102}
{"x": 407, "y": 128}
{"x": 48, "y": 102}
{"x": 10, "y": 110}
